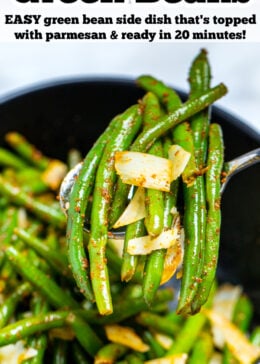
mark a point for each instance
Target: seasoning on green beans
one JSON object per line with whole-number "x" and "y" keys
{"x": 105, "y": 290}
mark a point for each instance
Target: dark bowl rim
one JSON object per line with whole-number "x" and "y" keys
{"x": 127, "y": 81}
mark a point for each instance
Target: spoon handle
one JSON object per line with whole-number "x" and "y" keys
{"x": 240, "y": 163}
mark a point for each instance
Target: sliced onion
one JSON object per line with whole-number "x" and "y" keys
{"x": 224, "y": 303}
{"x": 237, "y": 342}
{"x": 174, "y": 254}
{"x": 54, "y": 174}
{"x": 16, "y": 353}
{"x": 164, "y": 340}
{"x": 173, "y": 359}
{"x": 134, "y": 211}
{"x": 144, "y": 170}
{"x": 125, "y": 336}
{"x": 180, "y": 158}
{"x": 146, "y": 244}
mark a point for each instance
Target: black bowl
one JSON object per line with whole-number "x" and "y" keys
{"x": 73, "y": 113}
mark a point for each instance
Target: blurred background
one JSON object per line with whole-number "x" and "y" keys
{"x": 236, "y": 64}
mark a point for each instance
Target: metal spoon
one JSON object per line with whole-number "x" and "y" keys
{"x": 230, "y": 169}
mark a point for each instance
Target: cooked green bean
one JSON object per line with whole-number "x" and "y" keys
{"x": 78, "y": 203}
{"x": 147, "y": 137}
{"x": 8, "y": 159}
{"x": 45, "y": 284}
{"x": 156, "y": 350}
{"x": 202, "y": 349}
{"x": 242, "y": 317}
{"x": 85, "y": 335}
{"x": 55, "y": 258}
{"x": 20, "y": 198}
{"x": 110, "y": 353}
{"x": 134, "y": 359}
{"x": 27, "y": 150}
{"x": 182, "y": 136}
{"x": 154, "y": 198}
{"x": 188, "y": 334}
{"x": 39, "y": 340}
{"x": 128, "y": 125}
{"x": 8, "y": 307}
{"x": 199, "y": 78}
{"x": 167, "y": 96}
{"x": 255, "y": 337}
{"x": 125, "y": 309}
{"x": 35, "y": 273}
{"x": 30, "y": 326}
{"x": 130, "y": 262}
{"x": 158, "y": 323}
{"x": 213, "y": 183}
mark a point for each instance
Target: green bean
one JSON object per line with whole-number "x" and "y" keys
{"x": 189, "y": 108}
{"x": 9, "y": 305}
{"x": 191, "y": 329}
{"x": 155, "y": 262}
{"x": 125, "y": 309}
{"x": 242, "y": 316}
{"x": 86, "y": 336}
{"x": 40, "y": 345}
{"x": 27, "y": 150}
{"x": 213, "y": 184}
{"x": 56, "y": 259}
{"x": 30, "y": 180}
{"x": 170, "y": 199}
{"x": 46, "y": 321}
{"x": 158, "y": 323}
{"x": 130, "y": 262}
{"x": 243, "y": 313}
{"x": 168, "y": 97}
{"x": 78, "y": 202}
{"x": 29, "y": 326}
{"x": 8, "y": 159}
{"x": 134, "y": 359}
{"x": 255, "y": 336}
{"x": 199, "y": 78}
{"x": 120, "y": 139}
{"x": 20, "y": 198}
{"x": 52, "y": 239}
{"x": 110, "y": 353}
{"x": 145, "y": 139}
{"x": 39, "y": 341}
{"x": 188, "y": 334}
{"x": 155, "y": 207}
{"x": 45, "y": 284}
{"x": 10, "y": 220}
{"x": 154, "y": 198}
{"x": 183, "y": 137}
{"x": 156, "y": 349}
{"x": 202, "y": 350}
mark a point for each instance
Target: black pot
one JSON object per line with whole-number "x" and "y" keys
{"x": 61, "y": 115}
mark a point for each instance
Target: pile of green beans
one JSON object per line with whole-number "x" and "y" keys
{"x": 60, "y": 285}
{"x": 157, "y": 121}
